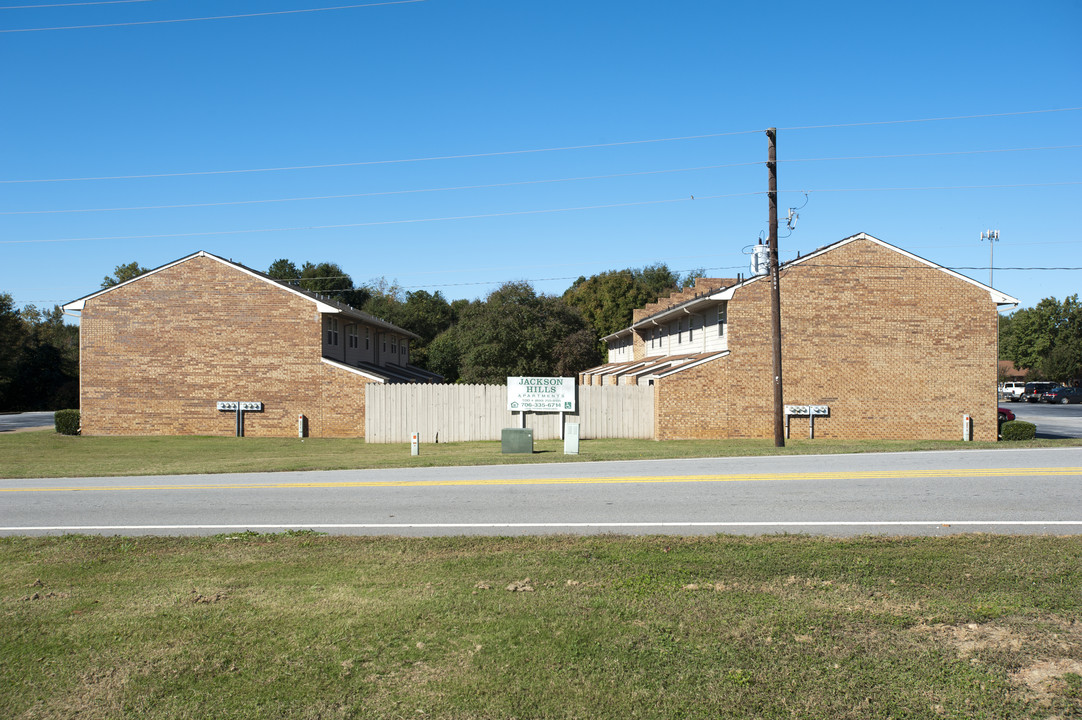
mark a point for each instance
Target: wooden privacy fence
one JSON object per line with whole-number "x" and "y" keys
{"x": 461, "y": 413}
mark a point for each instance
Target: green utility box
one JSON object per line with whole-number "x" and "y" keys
{"x": 516, "y": 440}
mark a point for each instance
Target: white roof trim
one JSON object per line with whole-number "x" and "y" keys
{"x": 688, "y": 366}
{"x": 998, "y": 297}
{"x": 355, "y": 371}
{"x": 77, "y": 305}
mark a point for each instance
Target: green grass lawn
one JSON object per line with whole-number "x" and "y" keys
{"x": 307, "y": 626}
{"x": 47, "y": 454}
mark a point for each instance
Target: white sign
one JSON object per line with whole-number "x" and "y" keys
{"x": 541, "y": 394}
{"x": 807, "y": 410}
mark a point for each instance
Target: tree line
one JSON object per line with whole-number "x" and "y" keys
{"x": 513, "y": 331}
{"x": 1045, "y": 340}
{"x": 39, "y": 358}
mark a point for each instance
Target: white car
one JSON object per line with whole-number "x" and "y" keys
{"x": 1012, "y": 391}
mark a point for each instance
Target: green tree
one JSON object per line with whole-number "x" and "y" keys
{"x": 607, "y": 299}
{"x": 123, "y": 273}
{"x": 283, "y": 269}
{"x": 1045, "y": 339}
{"x": 325, "y": 278}
{"x": 515, "y": 331}
{"x": 13, "y": 337}
{"x": 39, "y": 358}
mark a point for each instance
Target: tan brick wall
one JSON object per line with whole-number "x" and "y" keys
{"x": 158, "y": 353}
{"x": 342, "y": 402}
{"x": 897, "y": 349}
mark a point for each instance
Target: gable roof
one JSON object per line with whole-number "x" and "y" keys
{"x": 323, "y": 304}
{"x": 726, "y": 293}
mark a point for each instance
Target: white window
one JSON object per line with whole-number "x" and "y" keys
{"x": 332, "y": 331}
{"x": 723, "y": 318}
{"x": 352, "y": 336}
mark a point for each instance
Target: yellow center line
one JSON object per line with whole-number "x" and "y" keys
{"x": 624, "y": 480}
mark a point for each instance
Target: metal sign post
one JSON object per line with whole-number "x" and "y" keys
{"x": 808, "y": 411}
{"x": 240, "y": 408}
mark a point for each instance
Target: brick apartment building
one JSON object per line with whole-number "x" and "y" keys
{"x": 158, "y": 352}
{"x": 896, "y": 347}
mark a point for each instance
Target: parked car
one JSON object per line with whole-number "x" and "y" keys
{"x": 1005, "y": 415}
{"x": 1034, "y": 390}
{"x": 1012, "y": 390}
{"x": 1063, "y": 395}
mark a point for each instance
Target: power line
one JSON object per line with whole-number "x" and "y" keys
{"x": 373, "y": 223}
{"x": 503, "y": 152}
{"x": 933, "y": 119}
{"x": 74, "y": 4}
{"x": 386, "y": 192}
{"x": 931, "y": 154}
{"x": 360, "y": 163}
{"x": 376, "y": 223}
{"x": 521, "y": 182}
{"x": 941, "y": 187}
{"x": 215, "y": 17}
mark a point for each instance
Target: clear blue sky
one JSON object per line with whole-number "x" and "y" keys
{"x": 490, "y": 78}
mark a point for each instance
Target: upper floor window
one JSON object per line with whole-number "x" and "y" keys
{"x": 367, "y": 344}
{"x": 403, "y": 347}
{"x": 723, "y": 318}
{"x": 394, "y": 344}
{"x": 351, "y": 336}
{"x": 332, "y": 331}
{"x": 691, "y": 328}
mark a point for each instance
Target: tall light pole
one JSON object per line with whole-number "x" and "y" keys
{"x": 992, "y": 236}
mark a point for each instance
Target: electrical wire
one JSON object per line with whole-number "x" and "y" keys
{"x": 639, "y": 203}
{"x": 468, "y": 156}
{"x": 375, "y": 223}
{"x": 504, "y": 152}
{"x": 385, "y": 192}
{"x": 215, "y": 17}
{"x": 519, "y": 183}
{"x": 74, "y": 4}
{"x": 933, "y": 119}
{"x": 929, "y": 154}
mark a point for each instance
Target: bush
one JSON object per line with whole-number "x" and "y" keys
{"x": 67, "y": 422}
{"x": 1018, "y": 430}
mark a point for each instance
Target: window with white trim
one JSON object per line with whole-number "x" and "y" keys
{"x": 723, "y": 318}
{"x": 394, "y": 344}
{"x": 351, "y": 336}
{"x": 332, "y": 331}
{"x": 367, "y": 339}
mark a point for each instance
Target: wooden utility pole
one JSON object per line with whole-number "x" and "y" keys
{"x": 775, "y": 290}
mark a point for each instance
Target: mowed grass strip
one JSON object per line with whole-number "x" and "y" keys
{"x": 48, "y": 454}
{"x": 299, "y": 625}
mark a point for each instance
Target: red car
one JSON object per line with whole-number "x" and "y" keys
{"x": 1005, "y": 415}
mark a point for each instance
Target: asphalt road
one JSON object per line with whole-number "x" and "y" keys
{"x": 12, "y": 422}
{"x": 927, "y": 493}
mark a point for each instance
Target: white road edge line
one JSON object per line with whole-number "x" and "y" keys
{"x": 395, "y": 526}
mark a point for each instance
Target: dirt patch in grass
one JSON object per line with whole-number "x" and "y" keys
{"x": 1045, "y": 654}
